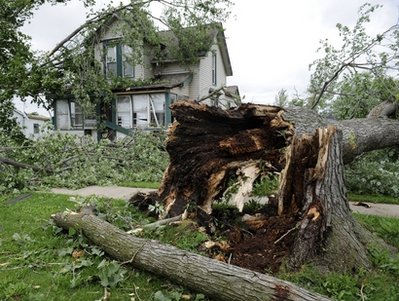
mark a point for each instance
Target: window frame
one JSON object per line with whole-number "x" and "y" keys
{"x": 36, "y": 128}
{"x": 214, "y": 68}
{"x": 121, "y": 59}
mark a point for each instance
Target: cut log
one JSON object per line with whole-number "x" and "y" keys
{"x": 213, "y": 278}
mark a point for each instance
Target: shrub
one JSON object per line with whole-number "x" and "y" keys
{"x": 376, "y": 172}
{"x": 77, "y": 163}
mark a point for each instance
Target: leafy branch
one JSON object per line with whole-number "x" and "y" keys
{"x": 357, "y": 44}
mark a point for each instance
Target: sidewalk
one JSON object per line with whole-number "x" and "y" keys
{"x": 389, "y": 210}
{"x": 125, "y": 193}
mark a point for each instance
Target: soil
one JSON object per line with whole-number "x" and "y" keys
{"x": 260, "y": 243}
{"x": 265, "y": 249}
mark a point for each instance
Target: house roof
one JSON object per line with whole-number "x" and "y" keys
{"x": 169, "y": 40}
{"x": 19, "y": 112}
{"x": 224, "y": 52}
{"x": 34, "y": 116}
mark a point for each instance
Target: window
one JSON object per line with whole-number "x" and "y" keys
{"x": 141, "y": 111}
{"x": 82, "y": 117}
{"x": 157, "y": 111}
{"x": 128, "y": 70}
{"x": 118, "y": 59}
{"x": 124, "y": 111}
{"x": 110, "y": 61}
{"x": 214, "y": 75}
{"x": 76, "y": 114}
{"x": 36, "y": 128}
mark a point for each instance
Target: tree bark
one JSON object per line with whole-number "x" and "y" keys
{"x": 216, "y": 279}
{"x": 312, "y": 187}
{"x": 24, "y": 165}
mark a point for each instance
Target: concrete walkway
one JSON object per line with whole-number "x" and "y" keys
{"x": 125, "y": 193}
{"x": 389, "y": 210}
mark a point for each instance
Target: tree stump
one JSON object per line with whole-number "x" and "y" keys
{"x": 312, "y": 187}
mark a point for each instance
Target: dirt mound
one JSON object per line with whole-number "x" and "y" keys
{"x": 264, "y": 249}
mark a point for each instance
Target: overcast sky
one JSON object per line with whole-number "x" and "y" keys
{"x": 271, "y": 43}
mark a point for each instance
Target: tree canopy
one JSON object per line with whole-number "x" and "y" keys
{"x": 360, "y": 72}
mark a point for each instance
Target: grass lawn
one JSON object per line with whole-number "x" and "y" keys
{"x": 381, "y": 283}
{"x": 38, "y": 262}
{"x": 383, "y": 199}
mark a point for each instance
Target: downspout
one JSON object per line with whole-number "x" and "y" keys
{"x": 54, "y": 119}
{"x": 168, "y": 114}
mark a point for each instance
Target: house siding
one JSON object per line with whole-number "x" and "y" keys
{"x": 204, "y": 75}
{"x": 173, "y": 68}
{"x": 27, "y": 122}
{"x": 147, "y": 67}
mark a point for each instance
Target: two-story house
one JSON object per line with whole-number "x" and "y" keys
{"x": 146, "y": 106}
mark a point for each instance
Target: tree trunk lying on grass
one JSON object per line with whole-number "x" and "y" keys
{"x": 209, "y": 146}
{"x": 216, "y": 279}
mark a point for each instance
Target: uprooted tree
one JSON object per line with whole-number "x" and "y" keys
{"x": 208, "y": 146}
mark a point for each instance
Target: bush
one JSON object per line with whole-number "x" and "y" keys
{"x": 80, "y": 162}
{"x": 376, "y": 172}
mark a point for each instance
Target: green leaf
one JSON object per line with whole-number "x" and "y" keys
{"x": 159, "y": 296}
{"x": 71, "y": 231}
{"x": 65, "y": 251}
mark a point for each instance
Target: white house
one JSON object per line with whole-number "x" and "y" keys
{"x": 31, "y": 124}
{"x": 147, "y": 106}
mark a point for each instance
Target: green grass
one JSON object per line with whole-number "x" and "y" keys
{"x": 37, "y": 263}
{"x": 380, "y": 283}
{"x": 385, "y": 227}
{"x": 383, "y": 199}
{"x": 363, "y": 285}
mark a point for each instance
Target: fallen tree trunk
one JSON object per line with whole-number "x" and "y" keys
{"x": 215, "y": 279}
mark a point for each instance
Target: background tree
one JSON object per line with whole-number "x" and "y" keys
{"x": 359, "y": 53}
{"x": 70, "y": 68}
{"x": 351, "y": 79}
{"x": 361, "y": 92}
{"x": 16, "y": 58}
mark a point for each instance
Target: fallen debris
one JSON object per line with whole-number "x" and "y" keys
{"x": 214, "y": 278}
